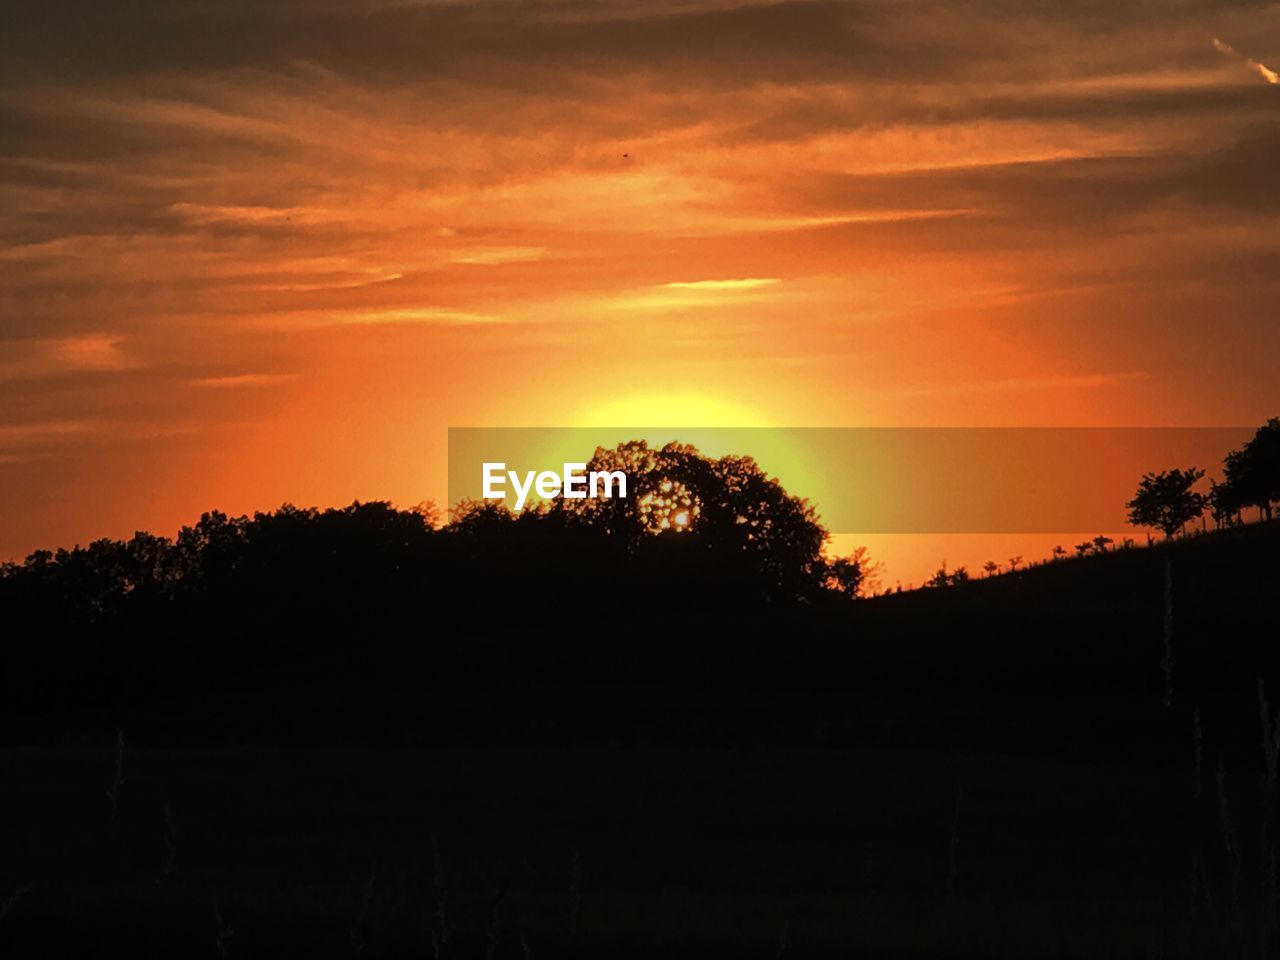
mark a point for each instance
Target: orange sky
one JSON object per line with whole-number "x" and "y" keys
{"x": 254, "y": 256}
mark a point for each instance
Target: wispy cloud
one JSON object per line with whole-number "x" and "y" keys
{"x": 496, "y": 256}
{"x": 22, "y": 435}
{"x": 746, "y": 283}
{"x": 92, "y": 352}
{"x": 424, "y": 315}
{"x": 198, "y": 213}
{"x": 1014, "y": 385}
{"x": 236, "y": 380}
{"x": 46, "y": 357}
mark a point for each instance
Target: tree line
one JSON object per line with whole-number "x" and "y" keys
{"x": 129, "y": 620}
{"x": 1168, "y": 500}
{"x": 725, "y": 516}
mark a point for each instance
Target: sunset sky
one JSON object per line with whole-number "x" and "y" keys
{"x": 256, "y": 253}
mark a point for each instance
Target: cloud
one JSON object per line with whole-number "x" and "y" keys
{"x": 59, "y": 356}
{"x": 747, "y": 283}
{"x": 22, "y": 434}
{"x": 91, "y": 352}
{"x": 1068, "y": 382}
{"x": 481, "y": 256}
{"x": 423, "y": 315}
{"x": 237, "y": 380}
{"x": 202, "y": 214}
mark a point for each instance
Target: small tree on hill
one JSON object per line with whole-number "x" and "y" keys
{"x": 853, "y": 575}
{"x": 1166, "y": 500}
{"x": 948, "y": 578}
{"x": 1224, "y": 504}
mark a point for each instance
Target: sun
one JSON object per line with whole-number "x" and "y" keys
{"x": 671, "y": 507}
{"x": 710, "y": 422}
{"x": 659, "y": 410}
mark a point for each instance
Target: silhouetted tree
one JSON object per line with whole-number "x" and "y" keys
{"x": 941, "y": 577}
{"x": 944, "y": 578}
{"x": 854, "y": 575}
{"x": 429, "y": 512}
{"x": 1166, "y": 500}
{"x": 991, "y": 568}
{"x": 1101, "y": 542}
{"x": 742, "y": 518}
{"x": 1224, "y": 503}
{"x": 845, "y": 575}
{"x": 1253, "y": 472}
{"x": 478, "y": 517}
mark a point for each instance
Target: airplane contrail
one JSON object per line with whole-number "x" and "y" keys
{"x": 1262, "y": 69}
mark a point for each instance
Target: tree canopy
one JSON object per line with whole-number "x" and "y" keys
{"x": 1167, "y": 500}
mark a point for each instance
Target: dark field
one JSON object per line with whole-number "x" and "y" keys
{"x": 986, "y": 770}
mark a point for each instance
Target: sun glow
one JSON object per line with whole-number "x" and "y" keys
{"x": 672, "y": 507}
{"x": 670, "y": 409}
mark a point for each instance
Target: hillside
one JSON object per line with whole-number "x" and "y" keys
{"x": 983, "y": 769}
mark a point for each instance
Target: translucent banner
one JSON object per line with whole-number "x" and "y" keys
{"x": 880, "y": 479}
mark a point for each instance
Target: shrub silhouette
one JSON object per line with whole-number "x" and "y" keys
{"x": 943, "y": 577}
